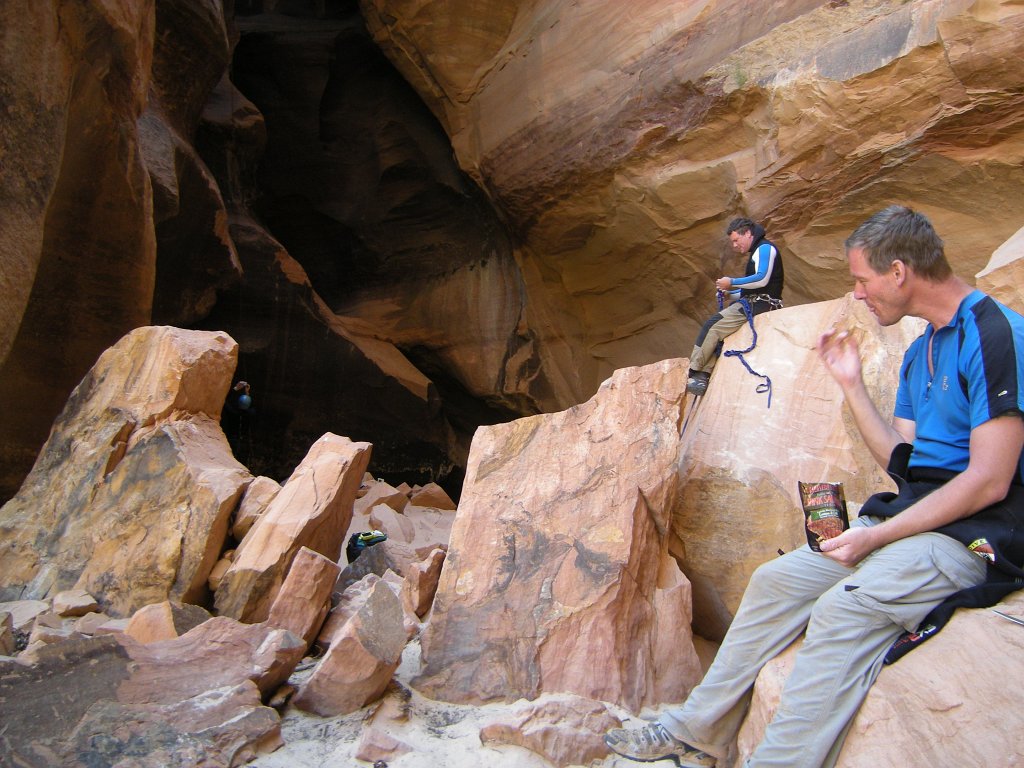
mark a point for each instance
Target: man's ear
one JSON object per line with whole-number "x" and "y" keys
{"x": 899, "y": 271}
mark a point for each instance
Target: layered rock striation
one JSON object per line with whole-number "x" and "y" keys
{"x": 431, "y": 215}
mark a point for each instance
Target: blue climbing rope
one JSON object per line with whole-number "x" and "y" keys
{"x": 766, "y": 384}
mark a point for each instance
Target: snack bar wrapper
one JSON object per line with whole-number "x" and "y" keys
{"x": 825, "y": 513}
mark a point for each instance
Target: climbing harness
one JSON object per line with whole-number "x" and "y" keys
{"x": 766, "y": 384}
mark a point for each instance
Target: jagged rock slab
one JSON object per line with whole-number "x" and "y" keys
{"x": 131, "y": 496}
{"x": 305, "y": 597}
{"x": 559, "y": 551}
{"x": 313, "y": 509}
{"x": 105, "y": 700}
{"x": 363, "y": 655}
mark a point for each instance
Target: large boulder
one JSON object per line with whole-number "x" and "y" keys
{"x": 133, "y": 492}
{"x": 312, "y": 510}
{"x": 558, "y": 577}
{"x": 181, "y": 702}
{"x": 364, "y": 653}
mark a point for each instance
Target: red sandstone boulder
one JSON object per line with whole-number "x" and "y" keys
{"x": 363, "y": 655}
{"x": 558, "y": 555}
{"x": 132, "y": 494}
{"x": 312, "y": 510}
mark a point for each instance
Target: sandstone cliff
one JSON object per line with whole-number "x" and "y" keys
{"x": 422, "y": 216}
{"x": 591, "y": 549}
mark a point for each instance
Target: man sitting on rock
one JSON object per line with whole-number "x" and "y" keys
{"x": 760, "y": 288}
{"x": 950, "y": 536}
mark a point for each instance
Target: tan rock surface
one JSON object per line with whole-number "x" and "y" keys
{"x": 431, "y": 495}
{"x": 379, "y": 492}
{"x": 255, "y": 500}
{"x": 565, "y": 730}
{"x": 313, "y": 510}
{"x": 131, "y": 496}
{"x": 90, "y": 623}
{"x": 305, "y": 597}
{"x": 1003, "y": 276}
{"x": 363, "y": 655}
{"x": 376, "y": 745}
{"x": 421, "y": 528}
{"x": 164, "y": 621}
{"x": 397, "y": 526}
{"x": 421, "y": 583}
{"x": 8, "y": 640}
{"x": 553, "y": 568}
{"x": 741, "y": 460}
{"x": 24, "y": 612}
{"x": 936, "y": 700}
{"x": 73, "y": 602}
{"x": 219, "y": 569}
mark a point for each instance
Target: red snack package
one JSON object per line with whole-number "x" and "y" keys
{"x": 825, "y": 513}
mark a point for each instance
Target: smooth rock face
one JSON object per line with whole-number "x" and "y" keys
{"x": 77, "y": 249}
{"x": 181, "y": 702}
{"x": 737, "y": 500}
{"x": 131, "y": 496}
{"x": 560, "y": 536}
{"x": 935, "y": 701}
{"x": 620, "y": 139}
{"x": 362, "y": 657}
{"x": 313, "y": 510}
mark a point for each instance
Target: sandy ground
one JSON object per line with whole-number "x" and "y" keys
{"x": 442, "y": 735}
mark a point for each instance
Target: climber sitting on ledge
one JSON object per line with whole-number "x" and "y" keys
{"x": 759, "y": 290}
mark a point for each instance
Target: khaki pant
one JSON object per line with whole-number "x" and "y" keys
{"x": 851, "y": 618}
{"x": 715, "y": 331}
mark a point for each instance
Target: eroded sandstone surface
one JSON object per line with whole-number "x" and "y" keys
{"x": 590, "y": 550}
{"x": 403, "y": 225}
{"x": 417, "y": 217}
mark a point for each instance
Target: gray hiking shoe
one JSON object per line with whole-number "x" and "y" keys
{"x": 653, "y": 742}
{"x": 698, "y": 383}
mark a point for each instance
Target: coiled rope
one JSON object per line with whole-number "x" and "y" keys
{"x": 766, "y": 383}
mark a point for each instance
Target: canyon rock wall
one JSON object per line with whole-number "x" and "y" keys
{"x": 620, "y": 138}
{"x": 590, "y": 549}
{"x": 420, "y": 216}
{"x": 77, "y": 247}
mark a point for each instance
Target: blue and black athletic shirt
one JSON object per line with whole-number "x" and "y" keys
{"x": 764, "y": 273}
{"x": 977, "y": 374}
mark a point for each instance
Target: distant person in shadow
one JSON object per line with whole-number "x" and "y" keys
{"x": 235, "y": 420}
{"x": 952, "y": 536}
{"x": 759, "y": 290}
